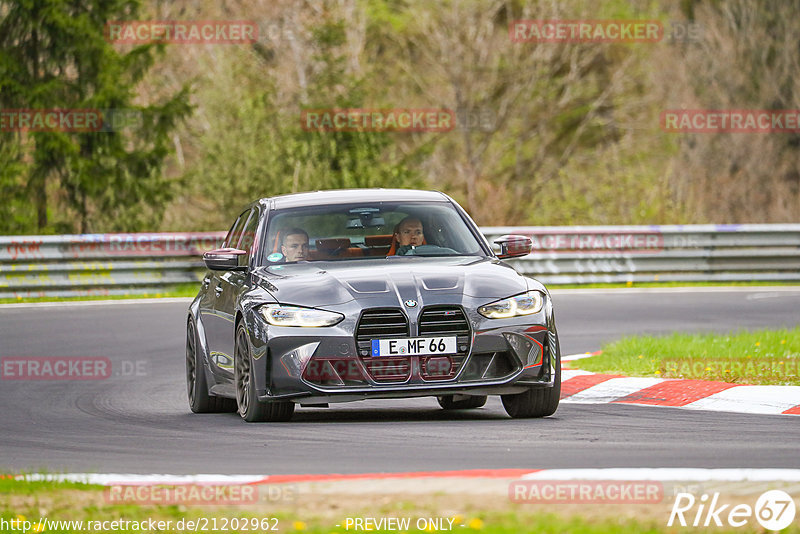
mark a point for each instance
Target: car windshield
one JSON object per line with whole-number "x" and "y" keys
{"x": 357, "y": 231}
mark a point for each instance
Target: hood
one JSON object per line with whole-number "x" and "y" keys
{"x": 389, "y": 281}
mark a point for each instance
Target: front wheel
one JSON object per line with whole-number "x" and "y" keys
{"x": 536, "y": 402}
{"x": 249, "y": 407}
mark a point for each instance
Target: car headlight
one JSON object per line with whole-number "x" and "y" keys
{"x": 281, "y": 315}
{"x": 525, "y": 304}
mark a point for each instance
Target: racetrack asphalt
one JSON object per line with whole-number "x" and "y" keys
{"x": 138, "y": 421}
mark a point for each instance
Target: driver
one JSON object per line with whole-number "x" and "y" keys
{"x": 408, "y": 234}
{"x": 294, "y": 245}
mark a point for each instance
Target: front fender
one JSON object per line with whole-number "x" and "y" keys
{"x": 257, "y": 334}
{"x": 202, "y": 341}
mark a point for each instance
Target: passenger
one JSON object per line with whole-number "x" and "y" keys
{"x": 408, "y": 234}
{"x": 294, "y": 245}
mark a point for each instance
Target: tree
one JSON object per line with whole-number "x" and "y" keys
{"x": 748, "y": 58}
{"x": 16, "y": 213}
{"x": 545, "y": 128}
{"x": 257, "y": 146}
{"x": 53, "y": 55}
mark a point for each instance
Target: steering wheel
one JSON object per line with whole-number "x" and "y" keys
{"x": 423, "y": 250}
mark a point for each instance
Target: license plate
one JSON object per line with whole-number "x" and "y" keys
{"x": 414, "y": 346}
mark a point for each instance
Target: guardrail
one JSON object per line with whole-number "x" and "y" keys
{"x": 686, "y": 253}
{"x": 100, "y": 264}
{"x": 111, "y": 264}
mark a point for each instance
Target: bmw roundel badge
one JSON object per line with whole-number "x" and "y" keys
{"x": 410, "y": 303}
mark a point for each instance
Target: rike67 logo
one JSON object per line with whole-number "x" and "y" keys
{"x": 774, "y": 510}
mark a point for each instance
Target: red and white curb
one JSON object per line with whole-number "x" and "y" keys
{"x": 622, "y": 473}
{"x": 110, "y": 479}
{"x": 584, "y": 387}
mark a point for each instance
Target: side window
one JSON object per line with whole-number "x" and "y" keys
{"x": 236, "y": 231}
{"x": 249, "y": 233}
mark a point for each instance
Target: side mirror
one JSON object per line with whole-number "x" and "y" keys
{"x": 224, "y": 259}
{"x": 513, "y": 246}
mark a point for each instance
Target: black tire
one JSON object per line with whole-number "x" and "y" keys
{"x": 247, "y": 404}
{"x": 473, "y": 401}
{"x": 196, "y": 384}
{"x": 536, "y": 402}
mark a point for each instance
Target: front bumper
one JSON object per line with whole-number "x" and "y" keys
{"x": 323, "y": 365}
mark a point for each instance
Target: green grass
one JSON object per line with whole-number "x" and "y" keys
{"x": 516, "y": 524}
{"x": 58, "y": 501}
{"x": 189, "y": 289}
{"x": 66, "y": 501}
{"x": 286, "y": 524}
{"x": 9, "y": 485}
{"x": 759, "y": 357}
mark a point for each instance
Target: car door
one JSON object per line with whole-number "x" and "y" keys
{"x": 219, "y": 326}
{"x": 230, "y": 285}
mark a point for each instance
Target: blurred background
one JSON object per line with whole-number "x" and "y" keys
{"x": 566, "y": 133}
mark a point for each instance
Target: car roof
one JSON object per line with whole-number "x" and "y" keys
{"x": 346, "y": 196}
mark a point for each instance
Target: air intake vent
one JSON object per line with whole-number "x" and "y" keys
{"x": 443, "y": 320}
{"x": 381, "y": 323}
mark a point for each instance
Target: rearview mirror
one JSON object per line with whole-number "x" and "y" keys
{"x": 365, "y": 218}
{"x": 224, "y": 259}
{"x": 513, "y": 246}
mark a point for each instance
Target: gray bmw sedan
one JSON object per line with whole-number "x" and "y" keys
{"x": 336, "y": 296}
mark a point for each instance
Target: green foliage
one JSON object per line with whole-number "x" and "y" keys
{"x": 257, "y": 148}
{"x": 576, "y": 138}
{"x": 389, "y": 16}
{"x": 53, "y": 55}
{"x": 16, "y": 212}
